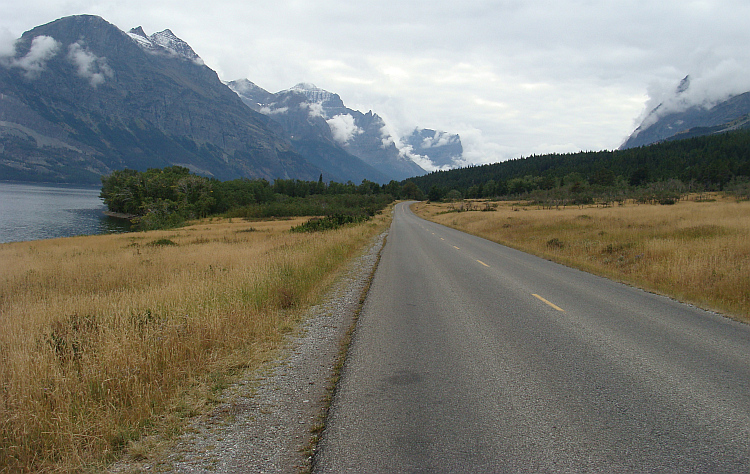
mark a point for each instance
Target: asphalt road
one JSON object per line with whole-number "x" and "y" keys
{"x": 472, "y": 357}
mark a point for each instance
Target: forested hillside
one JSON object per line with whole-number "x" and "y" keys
{"x": 703, "y": 163}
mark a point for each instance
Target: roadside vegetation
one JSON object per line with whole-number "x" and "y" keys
{"x": 697, "y": 249}
{"x": 107, "y": 338}
{"x": 170, "y": 197}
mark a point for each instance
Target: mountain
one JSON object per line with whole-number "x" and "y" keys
{"x": 164, "y": 42}
{"x": 81, "y": 98}
{"x": 313, "y": 115}
{"x": 302, "y": 118}
{"x": 680, "y": 117}
{"x": 443, "y": 149}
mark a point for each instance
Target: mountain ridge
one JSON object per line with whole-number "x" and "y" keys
{"x": 80, "y": 98}
{"x": 116, "y": 105}
{"x": 306, "y": 127}
{"x": 689, "y": 118}
{"x": 309, "y": 111}
{"x": 165, "y": 41}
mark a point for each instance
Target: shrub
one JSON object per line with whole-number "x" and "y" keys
{"x": 317, "y": 224}
{"x": 162, "y": 243}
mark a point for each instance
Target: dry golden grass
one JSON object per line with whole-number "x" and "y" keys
{"x": 697, "y": 252}
{"x": 105, "y": 337}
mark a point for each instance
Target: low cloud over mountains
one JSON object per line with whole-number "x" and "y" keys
{"x": 81, "y": 98}
{"x": 310, "y": 113}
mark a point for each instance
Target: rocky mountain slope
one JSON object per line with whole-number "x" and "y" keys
{"x": 683, "y": 116}
{"x": 81, "y": 98}
{"x": 441, "y": 148}
{"x": 315, "y": 116}
{"x": 302, "y": 118}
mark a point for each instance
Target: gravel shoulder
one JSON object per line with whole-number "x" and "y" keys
{"x": 265, "y": 421}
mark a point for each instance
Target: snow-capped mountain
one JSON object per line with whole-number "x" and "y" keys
{"x": 305, "y": 123}
{"x": 307, "y": 111}
{"x": 314, "y": 94}
{"x": 81, "y": 98}
{"x": 164, "y": 42}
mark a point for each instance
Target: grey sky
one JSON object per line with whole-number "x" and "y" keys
{"x": 512, "y": 77}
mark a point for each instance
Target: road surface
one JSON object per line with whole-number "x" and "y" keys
{"x": 472, "y": 357}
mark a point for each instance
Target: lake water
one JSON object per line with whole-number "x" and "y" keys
{"x": 42, "y": 211}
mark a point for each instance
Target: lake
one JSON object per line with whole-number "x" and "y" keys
{"x": 32, "y": 211}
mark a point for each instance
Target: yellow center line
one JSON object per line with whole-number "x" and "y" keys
{"x": 483, "y": 263}
{"x": 456, "y": 248}
{"x": 551, "y": 304}
{"x": 442, "y": 238}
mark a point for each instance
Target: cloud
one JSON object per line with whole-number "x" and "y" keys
{"x": 43, "y": 48}
{"x": 315, "y": 109}
{"x": 89, "y": 66}
{"x": 704, "y": 87}
{"x": 273, "y": 111}
{"x": 562, "y": 74}
{"x": 7, "y": 43}
{"x": 387, "y": 132}
{"x": 343, "y": 128}
{"x": 439, "y": 139}
{"x": 390, "y": 137}
{"x": 387, "y": 141}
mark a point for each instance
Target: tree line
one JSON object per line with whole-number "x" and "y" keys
{"x": 655, "y": 172}
{"x": 663, "y": 172}
{"x": 168, "y": 197}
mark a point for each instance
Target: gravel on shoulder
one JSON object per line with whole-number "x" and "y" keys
{"x": 265, "y": 420}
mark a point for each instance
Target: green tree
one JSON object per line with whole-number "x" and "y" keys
{"x": 453, "y": 195}
{"x": 411, "y": 191}
{"x": 603, "y": 177}
{"x": 435, "y": 194}
{"x": 639, "y": 177}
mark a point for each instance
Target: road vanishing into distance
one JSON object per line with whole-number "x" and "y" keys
{"x": 472, "y": 357}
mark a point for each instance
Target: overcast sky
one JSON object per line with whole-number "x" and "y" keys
{"x": 512, "y": 77}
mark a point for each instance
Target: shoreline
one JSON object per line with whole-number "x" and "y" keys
{"x": 120, "y": 215}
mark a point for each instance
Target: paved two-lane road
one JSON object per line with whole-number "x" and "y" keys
{"x": 471, "y": 357}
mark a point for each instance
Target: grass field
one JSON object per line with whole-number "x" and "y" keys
{"x": 105, "y": 338}
{"x": 695, "y": 251}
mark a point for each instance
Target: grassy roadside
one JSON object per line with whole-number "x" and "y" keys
{"x": 106, "y": 338}
{"x": 695, "y": 251}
